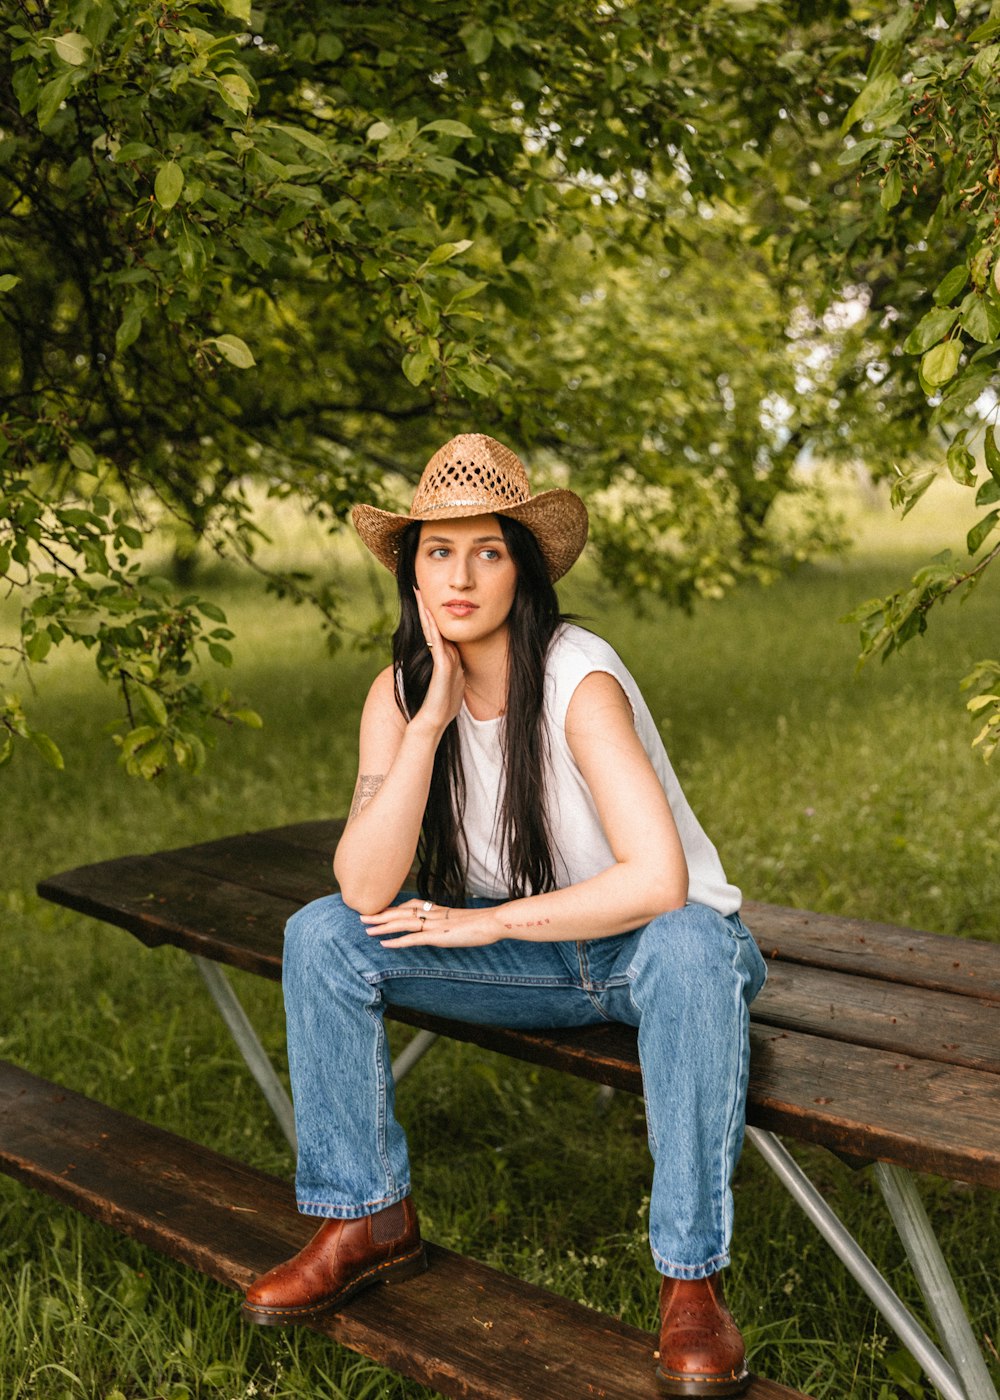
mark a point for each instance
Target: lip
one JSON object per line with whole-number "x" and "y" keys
{"x": 460, "y": 608}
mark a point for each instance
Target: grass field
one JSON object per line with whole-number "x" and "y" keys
{"x": 855, "y": 794}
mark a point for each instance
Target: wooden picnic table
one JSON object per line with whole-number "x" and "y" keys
{"x": 877, "y": 1042}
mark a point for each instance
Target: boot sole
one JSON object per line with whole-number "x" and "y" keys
{"x": 391, "y": 1271}
{"x": 704, "y": 1385}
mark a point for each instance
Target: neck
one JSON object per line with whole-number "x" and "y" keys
{"x": 485, "y": 667}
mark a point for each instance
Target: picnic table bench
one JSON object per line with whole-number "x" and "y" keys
{"x": 877, "y": 1042}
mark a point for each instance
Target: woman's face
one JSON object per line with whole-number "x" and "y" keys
{"x": 466, "y": 577}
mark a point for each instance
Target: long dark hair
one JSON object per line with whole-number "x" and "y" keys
{"x": 526, "y": 852}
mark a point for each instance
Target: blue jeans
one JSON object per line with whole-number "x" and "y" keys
{"x": 685, "y": 980}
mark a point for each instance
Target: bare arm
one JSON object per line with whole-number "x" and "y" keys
{"x": 649, "y": 875}
{"x": 396, "y": 760}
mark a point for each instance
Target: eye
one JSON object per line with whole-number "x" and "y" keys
{"x": 491, "y": 554}
{"x": 438, "y": 552}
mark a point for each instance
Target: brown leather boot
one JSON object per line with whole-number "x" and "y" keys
{"x": 701, "y": 1350}
{"x": 342, "y": 1258}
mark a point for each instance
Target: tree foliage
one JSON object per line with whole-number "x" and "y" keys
{"x": 293, "y": 247}
{"x": 925, "y": 141}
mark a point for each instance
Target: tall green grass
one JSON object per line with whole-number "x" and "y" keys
{"x": 823, "y": 788}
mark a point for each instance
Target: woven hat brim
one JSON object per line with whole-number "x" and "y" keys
{"x": 557, "y": 519}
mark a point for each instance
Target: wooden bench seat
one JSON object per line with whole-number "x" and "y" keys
{"x": 462, "y": 1328}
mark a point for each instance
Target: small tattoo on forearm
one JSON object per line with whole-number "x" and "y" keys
{"x": 529, "y": 923}
{"x": 368, "y": 786}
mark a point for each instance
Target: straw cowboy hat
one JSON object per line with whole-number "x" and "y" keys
{"x": 475, "y": 475}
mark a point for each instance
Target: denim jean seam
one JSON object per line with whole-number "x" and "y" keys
{"x": 375, "y": 979}
{"x": 740, "y": 1078}
{"x": 584, "y": 964}
{"x": 381, "y": 1095}
{"x": 672, "y": 1270}
{"x": 324, "y": 1208}
{"x": 595, "y": 1002}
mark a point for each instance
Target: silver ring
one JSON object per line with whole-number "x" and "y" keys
{"x": 427, "y": 906}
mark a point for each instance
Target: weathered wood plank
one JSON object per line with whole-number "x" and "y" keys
{"x": 966, "y": 966}
{"x": 161, "y": 902}
{"x": 865, "y": 1103}
{"x": 957, "y": 1030}
{"x": 261, "y": 862}
{"x": 464, "y": 1329}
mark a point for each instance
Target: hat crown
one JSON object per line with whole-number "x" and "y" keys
{"x": 472, "y": 471}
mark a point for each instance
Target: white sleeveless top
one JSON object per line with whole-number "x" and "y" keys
{"x": 579, "y": 846}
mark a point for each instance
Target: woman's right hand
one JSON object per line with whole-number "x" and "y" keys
{"x": 446, "y": 688}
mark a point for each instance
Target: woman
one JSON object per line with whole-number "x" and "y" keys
{"x": 564, "y": 881}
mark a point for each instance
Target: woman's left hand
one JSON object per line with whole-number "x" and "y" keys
{"x": 419, "y": 923}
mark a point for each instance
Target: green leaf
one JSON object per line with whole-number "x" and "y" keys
{"x": 444, "y": 251}
{"x": 255, "y": 247}
{"x": 418, "y": 366}
{"x": 992, "y": 454}
{"x": 465, "y": 293}
{"x": 210, "y": 610}
{"x": 979, "y": 531}
{"x": 153, "y": 702}
{"x": 52, "y": 96}
{"x": 378, "y": 131}
{"x": 72, "y": 47}
{"x": 986, "y": 61}
{"x": 980, "y": 317}
{"x": 951, "y": 284}
{"x": 939, "y": 365}
{"x": 250, "y": 718}
{"x": 38, "y": 647}
{"x": 892, "y": 189}
{"x": 129, "y": 329}
{"x": 930, "y": 329}
{"x": 132, "y": 150}
{"x": 82, "y": 457}
{"x": 239, "y": 9}
{"x": 220, "y": 654}
{"x": 329, "y": 47}
{"x": 961, "y": 464}
{"x": 985, "y": 496}
{"x": 168, "y": 185}
{"x": 8, "y": 282}
{"x": 309, "y": 139}
{"x": 985, "y": 31}
{"x": 447, "y": 127}
{"x": 235, "y": 92}
{"x": 478, "y": 40}
{"x": 475, "y": 378}
{"x": 871, "y": 98}
{"x": 48, "y": 750}
{"x": 235, "y": 350}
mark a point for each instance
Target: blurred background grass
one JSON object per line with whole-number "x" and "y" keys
{"x": 826, "y": 788}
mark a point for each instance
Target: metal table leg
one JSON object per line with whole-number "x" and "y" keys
{"x": 411, "y": 1053}
{"x": 937, "y": 1285}
{"x": 255, "y": 1056}
{"x": 249, "y": 1046}
{"x": 950, "y": 1382}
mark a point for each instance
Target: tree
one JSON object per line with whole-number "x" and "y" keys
{"x": 298, "y": 245}
{"x": 908, "y": 218}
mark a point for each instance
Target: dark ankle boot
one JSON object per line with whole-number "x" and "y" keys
{"x": 342, "y": 1258}
{"x": 701, "y": 1350}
